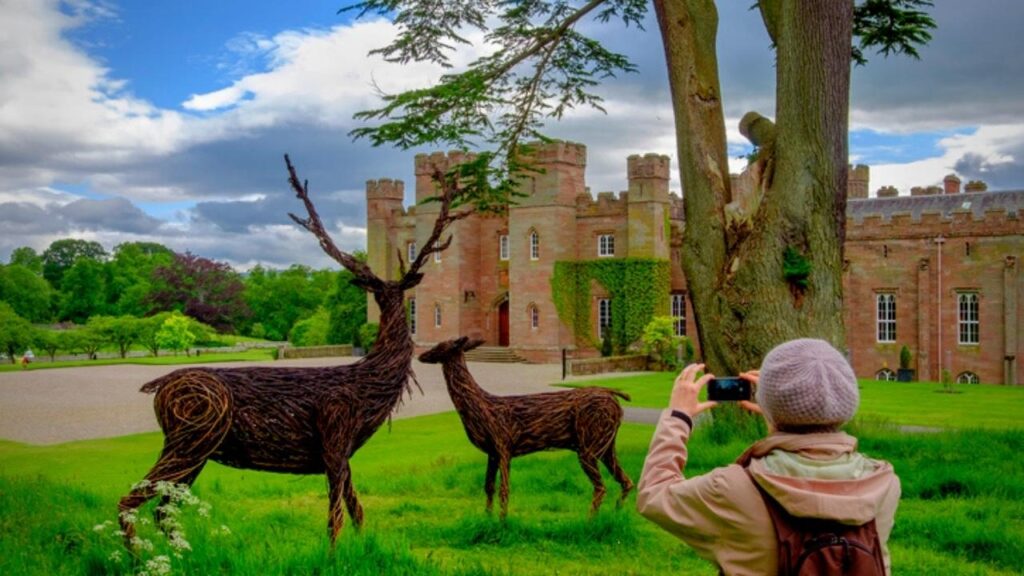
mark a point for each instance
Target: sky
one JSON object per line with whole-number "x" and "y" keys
{"x": 134, "y": 120}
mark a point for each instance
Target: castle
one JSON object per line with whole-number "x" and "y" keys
{"x": 935, "y": 271}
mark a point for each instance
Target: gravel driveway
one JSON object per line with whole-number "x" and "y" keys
{"x": 67, "y": 404}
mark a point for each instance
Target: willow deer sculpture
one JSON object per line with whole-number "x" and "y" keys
{"x": 584, "y": 420}
{"x": 294, "y": 420}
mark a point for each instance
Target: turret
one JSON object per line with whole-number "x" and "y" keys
{"x": 648, "y": 206}
{"x": 383, "y": 202}
{"x": 857, "y": 181}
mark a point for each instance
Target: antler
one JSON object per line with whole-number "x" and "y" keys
{"x": 449, "y": 191}
{"x": 364, "y": 276}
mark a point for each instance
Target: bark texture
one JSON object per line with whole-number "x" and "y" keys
{"x": 735, "y": 248}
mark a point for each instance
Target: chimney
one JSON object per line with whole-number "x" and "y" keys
{"x": 887, "y": 192}
{"x": 975, "y": 186}
{"x": 951, "y": 184}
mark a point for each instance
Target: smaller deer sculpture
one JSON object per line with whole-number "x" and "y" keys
{"x": 584, "y": 420}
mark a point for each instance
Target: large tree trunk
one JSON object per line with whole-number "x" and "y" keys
{"x": 734, "y": 247}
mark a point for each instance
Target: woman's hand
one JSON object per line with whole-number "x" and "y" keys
{"x": 752, "y": 376}
{"x": 686, "y": 391}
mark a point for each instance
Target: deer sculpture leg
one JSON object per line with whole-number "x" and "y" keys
{"x": 194, "y": 412}
{"x": 588, "y": 461}
{"x": 348, "y": 492}
{"x": 611, "y": 462}
{"x": 504, "y": 461}
{"x": 492, "y": 471}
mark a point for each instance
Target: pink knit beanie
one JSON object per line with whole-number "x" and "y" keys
{"x": 807, "y": 383}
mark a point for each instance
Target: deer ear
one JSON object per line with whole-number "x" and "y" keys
{"x": 471, "y": 344}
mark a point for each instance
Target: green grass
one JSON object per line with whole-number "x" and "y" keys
{"x": 254, "y": 354}
{"x": 906, "y": 403}
{"x": 421, "y": 487}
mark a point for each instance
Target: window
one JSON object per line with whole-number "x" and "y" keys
{"x": 606, "y": 245}
{"x": 437, "y": 315}
{"x": 886, "y": 315}
{"x": 967, "y": 378}
{"x": 410, "y": 250}
{"x": 534, "y": 314}
{"x": 412, "y": 315}
{"x": 885, "y": 375}
{"x": 967, "y": 326}
{"x": 534, "y": 245}
{"x": 437, "y": 251}
{"x": 604, "y": 316}
{"x": 679, "y": 313}
{"x": 503, "y": 247}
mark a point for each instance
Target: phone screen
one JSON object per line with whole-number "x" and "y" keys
{"x": 728, "y": 389}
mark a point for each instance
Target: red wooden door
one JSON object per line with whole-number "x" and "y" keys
{"x": 503, "y": 324}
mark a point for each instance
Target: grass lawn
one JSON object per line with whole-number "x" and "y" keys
{"x": 908, "y": 403}
{"x": 421, "y": 486}
{"x": 254, "y": 354}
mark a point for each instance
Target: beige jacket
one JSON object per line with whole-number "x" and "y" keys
{"x": 721, "y": 514}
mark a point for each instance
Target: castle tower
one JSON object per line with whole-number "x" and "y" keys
{"x": 542, "y": 231}
{"x": 383, "y": 203}
{"x": 648, "y": 206}
{"x": 857, "y": 181}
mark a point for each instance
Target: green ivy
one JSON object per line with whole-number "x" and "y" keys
{"x": 638, "y": 288}
{"x": 795, "y": 267}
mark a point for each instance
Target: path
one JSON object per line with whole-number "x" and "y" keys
{"x": 67, "y": 404}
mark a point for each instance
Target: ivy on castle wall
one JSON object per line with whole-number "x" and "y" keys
{"x": 638, "y": 288}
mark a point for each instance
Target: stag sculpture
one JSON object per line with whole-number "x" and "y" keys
{"x": 294, "y": 420}
{"x": 584, "y": 420}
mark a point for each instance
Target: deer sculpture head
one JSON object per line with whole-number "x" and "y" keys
{"x": 448, "y": 349}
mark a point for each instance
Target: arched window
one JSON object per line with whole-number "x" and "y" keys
{"x": 503, "y": 247}
{"x": 967, "y": 378}
{"x": 533, "y": 313}
{"x": 967, "y": 324}
{"x": 437, "y": 315}
{"x": 534, "y": 245}
{"x": 412, "y": 315}
{"x": 885, "y": 375}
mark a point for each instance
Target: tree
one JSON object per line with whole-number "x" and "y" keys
{"x": 311, "y": 331}
{"x": 346, "y": 307}
{"x": 661, "y": 342}
{"x": 85, "y": 340}
{"x": 16, "y": 333}
{"x": 174, "y": 333}
{"x": 208, "y": 291}
{"x": 62, "y": 255}
{"x": 47, "y": 341}
{"x": 26, "y": 292}
{"x": 27, "y": 257}
{"x": 82, "y": 290}
{"x": 278, "y": 299}
{"x": 747, "y": 295}
{"x": 128, "y": 276}
{"x": 148, "y": 329}
{"x": 122, "y": 331}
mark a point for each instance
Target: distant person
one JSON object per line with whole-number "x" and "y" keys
{"x": 806, "y": 391}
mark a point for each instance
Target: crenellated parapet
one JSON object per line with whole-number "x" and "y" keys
{"x": 606, "y": 204}
{"x": 929, "y": 215}
{"x": 858, "y": 180}
{"x": 654, "y": 166}
{"x": 560, "y": 152}
{"x": 427, "y": 164}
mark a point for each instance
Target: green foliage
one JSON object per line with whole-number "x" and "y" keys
{"x": 129, "y": 276}
{"x": 27, "y": 292}
{"x": 891, "y": 27}
{"x": 148, "y": 329}
{"x": 368, "y": 335}
{"x": 795, "y": 267}
{"x": 312, "y": 331}
{"x": 62, "y": 254}
{"x": 346, "y": 305}
{"x": 661, "y": 342}
{"x": 905, "y": 357}
{"x": 85, "y": 340}
{"x": 174, "y": 334}
{"x": 606, "y": 344}
{"x": 638, "y": 288}
{"x": 27, "y": 257}
{"x": 47, "y": 341}
{"x": 280, "y": 298}
{"x": 16, "y": 333}
{"x": 82, "y": 291}
{"x": 122, "y": 331}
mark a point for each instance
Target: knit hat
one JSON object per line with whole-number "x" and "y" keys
{"x": 807, "y": 383}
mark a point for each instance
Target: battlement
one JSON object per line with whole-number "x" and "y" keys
{"x": 426, "y": 164}
{"x": 931, "y": 214}
{"x": 857, "y": 181}
{"x": 651, "y": 165}
{"x": 385, "y": 189}
{"x": 606, "y": 204}
{"x": 560, "y": 152}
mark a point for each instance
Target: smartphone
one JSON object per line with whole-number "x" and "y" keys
{"x": 731, "y": 389}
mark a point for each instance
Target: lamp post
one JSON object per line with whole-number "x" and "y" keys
{"x": 939, "y": 241}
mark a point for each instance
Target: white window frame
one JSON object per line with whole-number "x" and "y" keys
{"x": 412, "y": 315}
{"x": 437, "y": 315}
{"x": 534, "y": 317}
{"x": 534, "y": 245}
{"x": 885, "y": 375}
{"x": 968, "y": 325}
{"x": 967, "y": 377}
{"x": 437, "y": 253}
{"x": 677, "y": 305}
{"x": 606, "y": 245}
{"x": 503, "y": 247}
{"x": 410, "y": 251}
{"x": 885, "y": 317}
{"x": 604, "y": 316}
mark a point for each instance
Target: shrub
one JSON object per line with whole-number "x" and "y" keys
{"x": 368, "y": 334}
{"x": 905, "y": 358}
{"x": 661, "y": 342}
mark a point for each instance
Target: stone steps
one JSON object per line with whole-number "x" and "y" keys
{"x": 496, "y": 354}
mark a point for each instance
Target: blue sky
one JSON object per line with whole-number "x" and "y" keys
{"x": 166, "y": 121}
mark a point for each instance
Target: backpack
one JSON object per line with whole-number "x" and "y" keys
{"x": 815, "y": 546}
